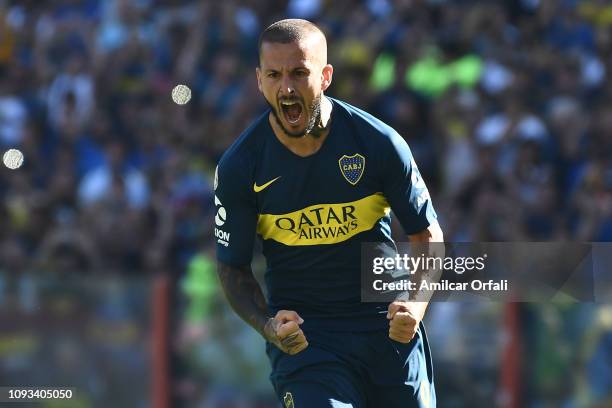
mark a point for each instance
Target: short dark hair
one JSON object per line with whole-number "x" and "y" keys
{"x": 287, "y": 31}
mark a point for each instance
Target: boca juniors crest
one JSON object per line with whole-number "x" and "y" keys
{"x": 288, "y": 399}
{"x": 352, "y": 167}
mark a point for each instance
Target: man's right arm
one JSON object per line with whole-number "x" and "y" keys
{"x": 235, "y": 225}
{"x": 247, "y": 300}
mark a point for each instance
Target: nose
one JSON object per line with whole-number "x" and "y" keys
{"x": 287, "y": 88}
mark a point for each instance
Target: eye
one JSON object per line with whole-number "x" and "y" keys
{"x": 273, "y": 74}
{"x": 301, "y": 73}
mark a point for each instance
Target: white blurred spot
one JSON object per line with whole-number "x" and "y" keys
{"x": 13, "y": 159}
{"x": 181, "y": 94}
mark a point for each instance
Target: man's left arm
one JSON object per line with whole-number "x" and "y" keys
{"x": 411, "y": 203}
{"x": 406, "y": 313}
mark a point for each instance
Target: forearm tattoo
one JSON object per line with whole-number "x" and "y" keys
{"x": 244, "y": 295}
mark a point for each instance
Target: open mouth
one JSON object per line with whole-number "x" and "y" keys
{"x": 292, "y": 110}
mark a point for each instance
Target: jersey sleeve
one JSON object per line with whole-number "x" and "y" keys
{"x": 404, "y": 187}
{"x": 235, "y": 217}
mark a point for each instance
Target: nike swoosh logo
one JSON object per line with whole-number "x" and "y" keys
{"x": 257, "y": 188}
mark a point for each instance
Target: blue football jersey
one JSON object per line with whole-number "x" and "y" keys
{"x": 313, "y": 213}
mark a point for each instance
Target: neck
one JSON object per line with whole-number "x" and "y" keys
{"x": 308, "y": 144}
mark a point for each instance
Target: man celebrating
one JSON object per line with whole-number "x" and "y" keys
{"x": 315, "y": 177}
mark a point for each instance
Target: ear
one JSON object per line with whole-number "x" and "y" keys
{"x": 258, "y": 73}
{"x": 328, "y": 72}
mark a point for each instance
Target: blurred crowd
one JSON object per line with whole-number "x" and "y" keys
{"x": 506, "y": 106}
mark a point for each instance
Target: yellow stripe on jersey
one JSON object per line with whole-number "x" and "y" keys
{"x": 324, "y": 224}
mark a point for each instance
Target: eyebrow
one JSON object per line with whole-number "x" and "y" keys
{"x": 292, "y": 70}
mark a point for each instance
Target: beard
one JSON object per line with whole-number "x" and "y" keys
{"x": 313, "y": 126}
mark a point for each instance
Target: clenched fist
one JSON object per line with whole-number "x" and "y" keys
{"x": 283, "y": 330}
{"x": 404, "y": 320}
